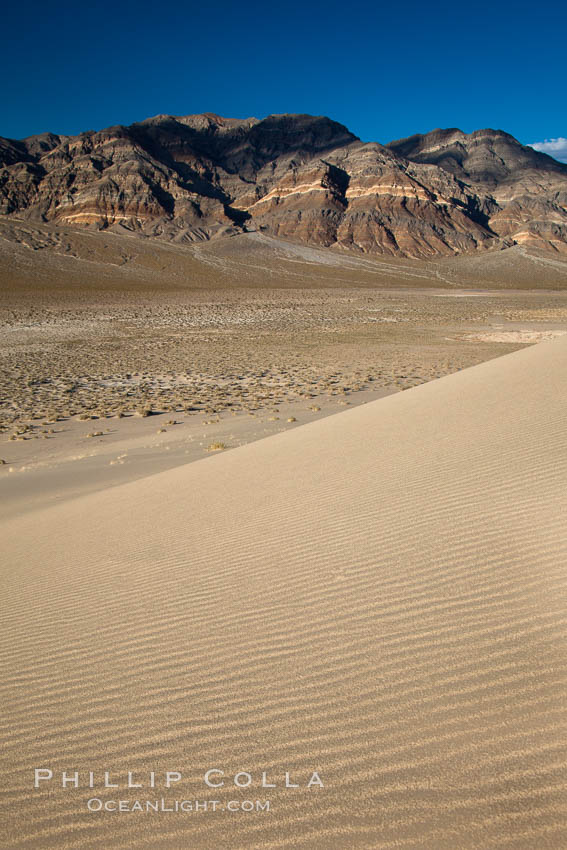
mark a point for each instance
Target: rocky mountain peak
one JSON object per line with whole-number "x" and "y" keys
{"x": 490, "y": 157}
{"x": 297, "y": 176}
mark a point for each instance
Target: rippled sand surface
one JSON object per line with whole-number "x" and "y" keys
{"x": 378, "y": 596}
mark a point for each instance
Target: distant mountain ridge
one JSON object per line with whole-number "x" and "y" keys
{"x": 299, "y": 177}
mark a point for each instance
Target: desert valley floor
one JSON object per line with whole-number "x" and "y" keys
{"x": 121, "y": 356}
{"x": 375, "y": 592}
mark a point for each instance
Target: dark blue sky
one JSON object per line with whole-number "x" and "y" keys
{"x": 384, "y": 70}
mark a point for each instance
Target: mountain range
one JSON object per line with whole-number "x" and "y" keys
{"x": 298, "y": 177}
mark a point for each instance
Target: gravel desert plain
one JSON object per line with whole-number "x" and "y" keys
{"x": 291, "y": 515}
{"x": 122, "y": 356}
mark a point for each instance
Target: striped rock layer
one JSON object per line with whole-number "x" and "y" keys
{"x": 299, "y": 177}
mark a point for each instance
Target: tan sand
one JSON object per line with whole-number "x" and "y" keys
{"x": 527, "y": 337}
{"x": 378, "y": 596}
{"x": 38, "y": 473}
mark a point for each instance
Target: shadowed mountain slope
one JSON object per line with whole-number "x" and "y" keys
{"x": 529, "y": 188}
{"x": 300, "y": 177}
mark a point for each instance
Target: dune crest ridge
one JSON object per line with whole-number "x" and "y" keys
{"x": 378, "y": 596}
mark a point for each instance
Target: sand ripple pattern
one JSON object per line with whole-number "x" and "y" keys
{"x": 380, "y": 596}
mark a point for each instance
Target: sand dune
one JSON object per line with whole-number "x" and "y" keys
{"x": 379, "y": 596}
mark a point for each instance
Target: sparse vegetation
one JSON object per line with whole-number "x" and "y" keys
{"x": 245, "y": 351}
